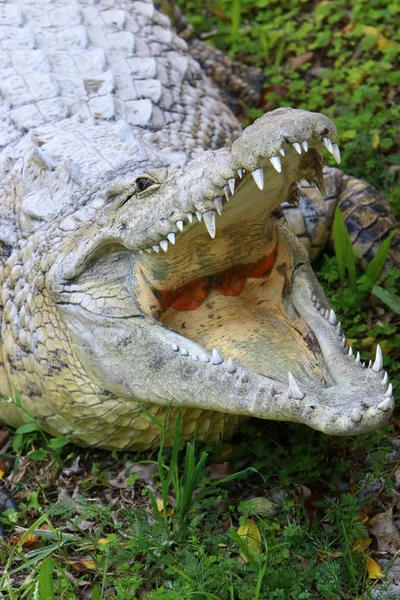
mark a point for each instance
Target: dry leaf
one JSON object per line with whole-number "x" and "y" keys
{"x": 219, "y": 470}
{"x": 262, "y": 506}
{"x": 28, "y": 541}
{"x": 381, "y": 42}
{"x": 160, "y": 506}
{"x": 324, "y": 554}
{"x": 83, "y": 566}
{"x": 251, "y": 535}
{"x": 4, "y": 435}
{"x": 373, "y": 569}
{"x": 298, "y": 61}
{"x": 361, "y": 544}
{"x": 386, "y": 533}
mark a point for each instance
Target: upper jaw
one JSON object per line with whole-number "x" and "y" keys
{"x": 286, "y": 142}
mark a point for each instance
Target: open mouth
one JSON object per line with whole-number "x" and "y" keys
{"x": 231, "y": 288}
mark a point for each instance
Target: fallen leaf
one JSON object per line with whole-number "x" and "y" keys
{"x": 28, "y": 541}
{"x": 373, "y": 569}
{"x": 251, "y": 535}
{"x": 298, "y": 61}
{"x": 381, "y": 41}
{"x": 361, "y": 544}
{"x": 83, "y": 566}
{"x": 4, "y": 435}
{"x": 160, "y": 506}
{"x": 219, "y": 470}
{"x": 261, "y": 506}
{"x": 385, "y": 532}
{"x": 324, "y": 554}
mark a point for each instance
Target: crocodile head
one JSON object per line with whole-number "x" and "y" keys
{"x": 189, "y": 288}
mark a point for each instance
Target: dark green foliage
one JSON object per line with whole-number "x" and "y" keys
{"x": 339, "y": 58}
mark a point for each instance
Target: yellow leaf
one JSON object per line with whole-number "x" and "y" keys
{"x": 251, "y": 535}
{"x": 373, "y": 569}
{"x": 83, "y": 566}
{"x": 1, "y": 473}
{"x": 375, "y": 139}
{"x": 324, "y": 554}
{"x": 160, "y": 506}
{"x": 361, "y": 544}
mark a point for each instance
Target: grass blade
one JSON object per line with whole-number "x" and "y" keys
{"x": 236, "y": 17}
{"x": 344, "y": 250}
{"x": 391, "y": 300}
{"x": 46, "y": 588}
{"x": 375, "y": 267}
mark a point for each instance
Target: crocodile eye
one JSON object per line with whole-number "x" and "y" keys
{"x": 143, "y": 183}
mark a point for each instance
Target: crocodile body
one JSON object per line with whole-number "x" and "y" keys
{"x": 122, "y": 290}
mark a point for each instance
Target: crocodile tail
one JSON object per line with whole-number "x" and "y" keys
{"x": 368, "y": 219}
{"x": 240, "y": 85}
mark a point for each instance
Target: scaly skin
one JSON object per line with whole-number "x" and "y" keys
{"x": 109, "y": 149}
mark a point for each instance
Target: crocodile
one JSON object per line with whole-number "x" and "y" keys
{"x": 146, "y": 269}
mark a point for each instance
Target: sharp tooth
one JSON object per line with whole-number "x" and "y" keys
{"x": 240, "y": 173}
{"x": 305, "y": 145}
{"x": 199, "y": 216}
{"x": 230, "y": 367}
{"x": 179, "y": 224}
{"x": 231, "y": 183}
{"x": 339, "y": 329}
{"x": 297, "y": 147}
{"x": 156, "y": 248}
{"x": 294, "y": 390}
{"x": 276, "y": 163}
{"x": 172, "y": 237}
{"x": 389, "y": 392}
{"x": 336, "y": 153}
{"x": 328, "y": 144}
{"x": 258, "y": 176}
{"x": 218, "y": 205}
{"x": 332, "y": 317}
{"x": 190, "y": 217}
{"x": 216, "y": 357}
{"x": 209, "y": 221}
{"x": 184, "y": 352}
{"x": 385, "y": 404}
{"x": 356, "y": 416}
{"x": 313, "y": 298}
{"x": 378, "y": 364}
{"x": 175, "y": 347}
{"x": 370, "y": 364}
{"x": 385, "y": 379}
{"x": 148, "y": 250}
{"x": 164, "y": 245}
{"x": 358, "y": 358}
{"x": 350, "y": 353}
{"x": 344, "y": 342}
{"x": 363, "y": 365}
{"x": 281, "y": 151}
{"x": 227, "y": 192}
{"x": 317, "y": 305}
{"x": 194, "y": 357}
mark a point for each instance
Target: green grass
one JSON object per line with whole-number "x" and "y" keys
{"x": 300, "y": 493}
{"x": 159, "y": 525}
{"x": 350, "y": 69}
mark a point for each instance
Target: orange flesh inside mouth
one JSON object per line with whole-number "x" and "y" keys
{"x": 228, "y": 283}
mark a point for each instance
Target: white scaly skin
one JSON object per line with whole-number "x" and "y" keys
{"x": 75, "y": 340}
